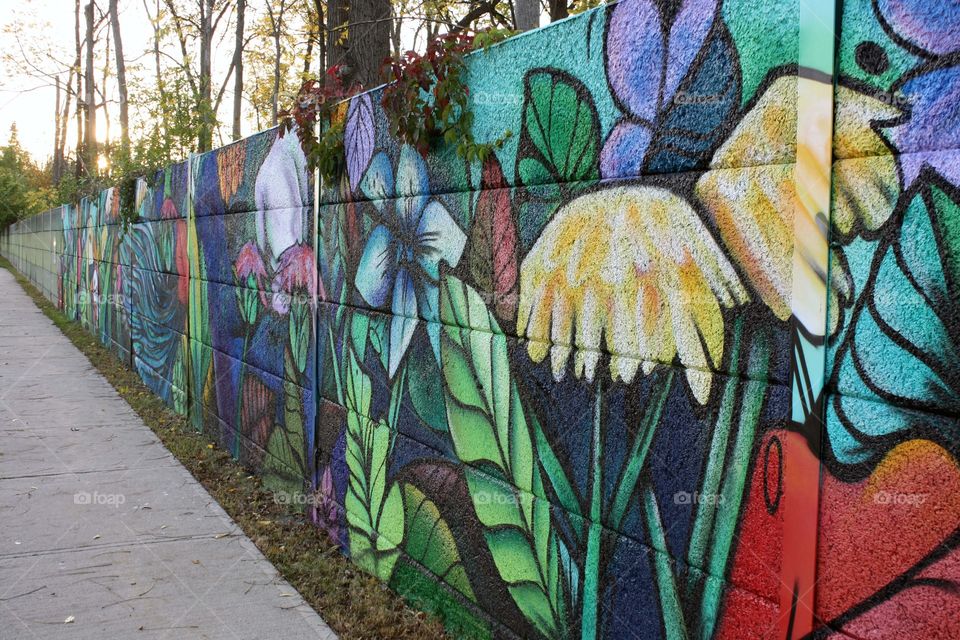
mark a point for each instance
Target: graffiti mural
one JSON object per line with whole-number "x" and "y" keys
{"x": 679, "y": 360}
{"x": 253, "y": 304}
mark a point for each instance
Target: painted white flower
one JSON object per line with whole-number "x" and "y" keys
{"x": 281, "y": 192}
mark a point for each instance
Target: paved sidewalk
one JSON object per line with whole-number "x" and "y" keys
{"x": 103, "y": 534}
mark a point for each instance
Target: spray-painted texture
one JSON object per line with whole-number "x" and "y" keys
{"x": 681, "y": 360}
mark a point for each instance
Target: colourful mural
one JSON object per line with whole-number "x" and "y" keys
{"x": 678, "y": 361}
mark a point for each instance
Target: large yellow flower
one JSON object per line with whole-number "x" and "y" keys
{"x": 753, "y": 207}
{"x": 637, "y": 267}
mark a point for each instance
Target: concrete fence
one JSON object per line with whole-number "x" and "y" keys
{"x": 682, "y": 359}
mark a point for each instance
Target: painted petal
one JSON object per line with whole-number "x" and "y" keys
{"x": 376, "y": 268}
{"x": 753, "y": 210}
{"x": 934, "y": 121}
{"x": 767, "y": 134}
{"x": 359, "y": 138}
{"x": 283, "y": 181}
{"x": 277, "y": 231}
{"x": 413, "y": 188}
{"x": 280, "y": 301}
{"x": 648, "y": 275}
{"x": 856, "y": 113}
{"x": 622, "y": 153}
{"x": 377, "y": 183}
{"x": 561, "y": 328}
{"x": 946, "y": 163}
{"x": 934, "y": 26}
{"x": 865, "y": 189}
{"x": 634, "y": 47}
{"x": 589, "y": 327}
{"x": 281, "y": 192}
{"x": 438, "y": 232}
{"x": 687, "y": 34}
{"x": 404, "y": 321}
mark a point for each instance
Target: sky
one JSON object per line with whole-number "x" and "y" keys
{"x": 44, "y": 31}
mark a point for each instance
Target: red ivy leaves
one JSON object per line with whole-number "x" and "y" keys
{"x": 318, "y": 102}
{"x": 426, "y": 100}
{"x": 493, "y": 242}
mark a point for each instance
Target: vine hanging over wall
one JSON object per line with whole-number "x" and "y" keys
{"x": 321, "y": 104}
{"x": 425, "y": 101}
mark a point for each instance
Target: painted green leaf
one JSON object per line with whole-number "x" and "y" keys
{"x": 198, "y": 325}
{"x": 763, "y": 44}
{"x": 423, "y": 374}
{"x": 375, "y": 516}
{"x": 430, "y": 542}
{"x": 284, "y": 467}
{"x": 560, "y": 139}
{"x": 490, "y": 432}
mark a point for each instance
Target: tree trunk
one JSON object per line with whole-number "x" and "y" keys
{"x": 205, "y": 139}
{"x": 321, "y": 34}
{"x": 238, "y": 69}
{"x": 308, "y": 56}
{"x": 369, "y": 40}
{"x": 78, "y": 151}
{"x": 89, "y": 99}
{"x": 336, "y": 34}
{"x": 121, "y": 82}
{"x": 276, "y": 28}
{"x": 56, "y": 134}
{"x": 527, "y": 14}
{"x": 161, "y": 91}
{"x": 396, "y": 27}
{"x": 64, "y": 121}
{"x": 103, "y": 97}
{"x": 558, "y": 10}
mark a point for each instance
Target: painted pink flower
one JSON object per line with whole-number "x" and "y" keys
{"x": 295, "y": 276}
{"x": 250, "y": 274}
{"x": 249, "y": 263}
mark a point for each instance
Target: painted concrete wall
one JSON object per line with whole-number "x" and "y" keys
{"x": 597, "y": 386}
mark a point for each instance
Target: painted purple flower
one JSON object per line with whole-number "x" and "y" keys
{"x": 400, "y": 264}
{"x": 921, "y": 24}
{"x": 646, "y": 62}
{"x": 250, "y": 275}
{"x": 325, "y": 508}
{"x": 932, "y": 90}
{"x": 249, "y": 264}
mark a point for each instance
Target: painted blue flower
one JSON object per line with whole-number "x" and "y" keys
{"x": 932, "y": 89}
{"x": 401, "y": 261}
{"x": 674, "y": 98}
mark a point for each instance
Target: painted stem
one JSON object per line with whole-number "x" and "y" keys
{"x": 637, "y": 457}
{"x": 591, "y": 565}
{"x": 336, "y": 367}
{"x": 714, "y": 548}
{"x": 703, "y": 523}
{"x": 670, "y": 608}
{"x": 734, "y": 485}
{"x": 238, "y": 413}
